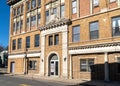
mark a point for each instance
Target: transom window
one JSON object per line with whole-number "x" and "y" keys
{"x": 39, "y": 2}
{"x": 116, "y": 26}
{"x": 94, "y": 30}
{"x": 74, "y": 6}
{"x": 87, "y": 65}
{"x": 76, "y": 33}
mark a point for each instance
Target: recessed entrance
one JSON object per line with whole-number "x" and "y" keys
{"x": 12, "y": 68}
{"x": 54, "y": 64}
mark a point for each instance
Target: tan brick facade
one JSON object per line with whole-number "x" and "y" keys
{"x": 64, "y": 59}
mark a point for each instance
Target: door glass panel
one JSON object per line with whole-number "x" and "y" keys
{"x": 56, "y": 68}
{"x": 52, "y": 67}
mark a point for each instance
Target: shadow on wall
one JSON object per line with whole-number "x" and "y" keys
{"x": 98, "y": 75}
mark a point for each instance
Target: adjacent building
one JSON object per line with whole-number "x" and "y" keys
{"x": 75, "y": 39}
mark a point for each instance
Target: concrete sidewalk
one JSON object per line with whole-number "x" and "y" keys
{"x": 67, "y": 82}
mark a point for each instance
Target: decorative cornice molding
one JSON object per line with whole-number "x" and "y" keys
{"x": 12, "y": 2}
{"x": 54, "y": 24}
{"x": 95, "y": 46}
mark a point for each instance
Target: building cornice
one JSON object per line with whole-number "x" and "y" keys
{"x": 53, "y": 24}
{"x": 95, "y": 46}
{"x": 12, "y": 2}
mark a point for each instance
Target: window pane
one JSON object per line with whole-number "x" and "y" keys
{"x": 62, "y": 10}
{"x": 76, "y": 33}
{"x": 28, "y": 42}
{"x": 47, "y": 16}
{"x": 74, "y": 6}
{"x": 50, "y": 40}
{"x": 39, "y": 17}
{"x": 37, "y": 40}
{"x": 19, "y": 43}
{"x": 14, "y": 45}
{"x": 56, "y": 39}
{"x": 95, "y": 2}
{"x": 116, "y": 26}
{"x": 39, "y": 2}
{"x": 94, "y": 30}
{"x": 83, "y": 65}
{"x": 91, "y": 65}
{"x": 33, "y": 3}
{"x": 55, "y": 11}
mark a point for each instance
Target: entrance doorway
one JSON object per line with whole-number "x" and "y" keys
{"x": 12, "y": 68}
{"x": 54, "y": 65}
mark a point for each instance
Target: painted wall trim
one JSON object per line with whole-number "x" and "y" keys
{"x": 95, "y": 50}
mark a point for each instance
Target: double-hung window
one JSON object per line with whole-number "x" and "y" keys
{"x": 62, "y": 10}
{"x": 94, "y": 30}
{"x": 28, "y": 42}
{"x": 87, "y": 65}
{"x": 19, "y": 43}
{"x": 14, "y": 44}
{"x": 56, "y": 39}
{"x": 47, "y": 16}
{"x": 116, "y": 26}
{"x": 76, "y": 33}
{"x": 39, "y": 18}
{"x": 32, "y": 65}
{"x": 33, "y": 3}
{"x": 33, "y": 20}
{"x": 50, "y": 40}
{"x": 74, "y": 6}
{"x": 37, "y": 40}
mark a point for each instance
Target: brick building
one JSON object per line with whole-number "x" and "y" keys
{"x": 75, "y": 39}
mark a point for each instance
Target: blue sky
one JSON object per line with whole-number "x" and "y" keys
{"x": 4, "y": 23}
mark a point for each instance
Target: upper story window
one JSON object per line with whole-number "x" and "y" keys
{"x": 19, "y": 43}
{"x": 37, "y": 40}
{"x": 39, "y": 18}
{"x": 33, "y": 20}
{"x": 28, "y": 42}
{"x": 39, "y": 2}
{"x": 95, "y": 3}
{"x": 28, "y": 6}
{"x": 14, "y": 12}
{"x": 74, "y": 6}
{"x": 14, "y": 44}
{"x": 18, "y": 10}
{"x": 56, "y": 39}
{"x": 76, "y": 33}
{"x": 18, "y": 25}
{"x": 87, "y": 65}
{"x": 22, "y": 8}
{"x": 21, "y": 24}
{"x": 47, "y": 16}
{"x": 55, "y": 11}
{"x": 94, "y": 30}
{"x": 118, "y": 66}
{"x": 50, "y": 40}
{"x": 116, "y": 26}
{"x": 14, "y": 27}
{"x": 33, "y": 3}
{"x": 62, "y": 10}
{"x": 28, "y": 21}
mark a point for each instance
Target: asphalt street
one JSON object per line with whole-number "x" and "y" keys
{"x": 13, "y": 81}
